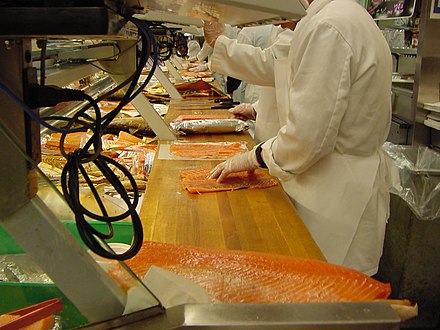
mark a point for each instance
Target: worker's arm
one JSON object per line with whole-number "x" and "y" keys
{"x": 249, "y": 63}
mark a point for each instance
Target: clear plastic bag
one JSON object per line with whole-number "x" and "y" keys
{"x": 419, "y": 171}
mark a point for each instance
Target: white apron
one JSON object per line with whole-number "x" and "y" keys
{"x": 331, "y": 212}
{"x": 267, "y": 123}
{"x": 342, "y": 199}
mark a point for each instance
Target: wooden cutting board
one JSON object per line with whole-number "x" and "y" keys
{"x": 248, "y": 219}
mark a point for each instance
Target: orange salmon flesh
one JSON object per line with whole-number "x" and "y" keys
{"x": 231, "y": 276}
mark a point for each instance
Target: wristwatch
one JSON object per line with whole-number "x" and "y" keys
{"x": 260, "y": 159}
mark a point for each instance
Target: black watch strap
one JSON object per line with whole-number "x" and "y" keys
{"x": 260, "y": 159}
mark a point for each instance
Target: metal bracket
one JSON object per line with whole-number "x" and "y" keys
{"x": 122, "y": 69}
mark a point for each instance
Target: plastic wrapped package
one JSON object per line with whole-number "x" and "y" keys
{"x": 419, "y": 171}
{"x": 20, "y": 268}
{"x": 136, "y": 126}
{"x": 207, "y": 126}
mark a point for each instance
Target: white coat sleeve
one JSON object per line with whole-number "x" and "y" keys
{"x": 204, "y": 52}
{"x": 318, "y": 89}
{"x": 244, "y": 62}
{"x": 249, "y": 63}
{"x": 231, "y": 31}
{"x": 243, "y": 38}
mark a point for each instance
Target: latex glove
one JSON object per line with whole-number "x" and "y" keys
{"x": 245, "y": 161}
{"x": 211, "y": 31}
{"x": 199, "y": 68}
{"x": 244, "y": 111}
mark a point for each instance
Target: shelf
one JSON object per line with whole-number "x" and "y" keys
{"x": 404, "y": 51}
{"x": 434, "y": 106}
{"x": 62, "y": 75}
{"x": 432, "y": 123}
{"x": 402, "y": 81}
{"x": 233, "y": 12}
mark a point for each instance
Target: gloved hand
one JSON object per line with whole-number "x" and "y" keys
{"x": 211, "y": 31}
{"x": 245, "y": 161}
{"x": 244, "y": 111}
{"x": 192, "y": 59}
{"x": 199, "y": 68}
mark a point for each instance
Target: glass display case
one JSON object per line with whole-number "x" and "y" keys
{"x": 35, "y": 216}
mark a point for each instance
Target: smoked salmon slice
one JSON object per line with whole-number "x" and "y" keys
{"x": 43, "y": 324}
{"x": 231, "y": 276}
{"x": 207, "y": 150}
{"x": 196, "y": 182}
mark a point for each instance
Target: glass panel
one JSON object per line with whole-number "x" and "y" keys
{"x": 42, "y": 255}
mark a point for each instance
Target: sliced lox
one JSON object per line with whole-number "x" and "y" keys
{"x": 207, "y": 150}
{"x": 196, "y": 182}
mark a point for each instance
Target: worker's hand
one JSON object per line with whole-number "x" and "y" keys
{"x": 245, "y": 161}
{"x": 244, "y": 111}
{"x": 211, "y": 31}
{"x": 192, "y": 59}
{"x": 199, "y": 68}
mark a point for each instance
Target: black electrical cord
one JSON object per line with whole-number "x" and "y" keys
{"x": 143, "y": 59}
{"x": 92, "y": 237}
{"x": 107, "y": 58}
{"x": 43, "y": 120}
{"x": 165, "y": 47}
{"x": 35, "y": 116}
{"x": 74, "y": 167}
{"x": 43, "y": 45}
{"x": 91, "y": 152}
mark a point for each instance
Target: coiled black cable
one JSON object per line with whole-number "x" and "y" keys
{"x": 75, "y": 160}
{"x": 90, "y": 236}
{"x": 166, "y": 42}
{"x": 91, "y": 152}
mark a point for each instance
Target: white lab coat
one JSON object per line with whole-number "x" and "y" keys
{"x": 206, "y": 51}
{"x": 334, "y": 103}
{"x": 267, "y": 123}
{"x": 193, "y": 48}
{"x": 258, "y": 36}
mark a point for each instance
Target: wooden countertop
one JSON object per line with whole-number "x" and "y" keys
{"x": 262, "y": 220}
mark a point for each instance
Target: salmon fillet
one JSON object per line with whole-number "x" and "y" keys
{"x": 43, "y": 324}
{"x": 231, "y": 276}
{"x": 111, "y": 105}
{"x": 196, "y": 182}
{"x": 207, "y": 150}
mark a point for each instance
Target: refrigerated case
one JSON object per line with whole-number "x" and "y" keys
{"x": 417, "y": 66}
{"x": 33, "y": 224}
{"x": 24, "y": 215}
